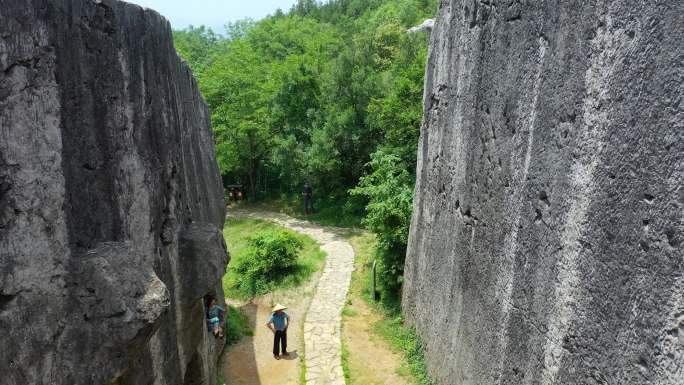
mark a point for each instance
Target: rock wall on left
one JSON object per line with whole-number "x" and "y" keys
{"x": 111, "y": 203}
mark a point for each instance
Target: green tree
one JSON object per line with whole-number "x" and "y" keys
{"x": 330, "y": 93}
{"x": 197, "y": 46}
{"x": 236, "y": 87}
{"x": 389, "y": 190}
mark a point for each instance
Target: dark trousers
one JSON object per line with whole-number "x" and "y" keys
{"x": 308, "y": 204}
{"x": 279, "y": 339}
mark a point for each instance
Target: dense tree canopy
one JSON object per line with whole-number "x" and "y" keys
{"x": 327, "y": 93}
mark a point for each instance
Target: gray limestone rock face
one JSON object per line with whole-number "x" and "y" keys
{"x": 111, "y": 204}
{"x": 546, "y": 240}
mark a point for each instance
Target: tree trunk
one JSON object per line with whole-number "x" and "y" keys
{"x": 252, "y": 181}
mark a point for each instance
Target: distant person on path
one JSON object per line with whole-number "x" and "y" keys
{"x": 215, "y": 317}
{"x": 278, "y": 322}
{"x": 307, "y": 192}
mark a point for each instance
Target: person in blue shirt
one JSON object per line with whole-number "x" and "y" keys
{"x": 278, "y": 322}
{"x": 215, "y": 318}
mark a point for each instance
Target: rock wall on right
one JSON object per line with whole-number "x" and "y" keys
{"x": 546, "y": 239}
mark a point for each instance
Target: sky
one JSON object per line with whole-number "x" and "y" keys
{"x": 213, "y": 13}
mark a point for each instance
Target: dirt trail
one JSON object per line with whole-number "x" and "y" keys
{"x": 315, "y": 309}
{"x": 250, "y": 362}
{"x": 371, "y": 359}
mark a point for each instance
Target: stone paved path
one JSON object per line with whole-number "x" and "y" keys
{"x": 322, "y": 326}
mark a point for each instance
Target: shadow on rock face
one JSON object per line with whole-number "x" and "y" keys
{"x": 114, "y": 303}
{"x": 201, "y": 254}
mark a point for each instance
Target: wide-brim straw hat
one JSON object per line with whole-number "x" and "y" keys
{"x": 278, "y": 307}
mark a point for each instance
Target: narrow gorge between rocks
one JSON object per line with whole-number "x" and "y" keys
{"x": 545, "y": 242}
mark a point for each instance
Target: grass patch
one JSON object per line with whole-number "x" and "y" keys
{"x": 364, "y": 244}
{"x": 237, "y": 232}
{"x": 404, "y": 370}
{"x": 391, "y": 326}
{"x": 344, "y": 354}
{"x": 333, "y": 216}
{"x": 302, "y": 369}
{"x": 326, "y": 213}
{"x": 349, "y": 312}
{"x": 407, "y": 341}
{"x": 237, "y": 325}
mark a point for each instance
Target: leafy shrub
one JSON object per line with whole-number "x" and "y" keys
{"x": 389, "y": 189}
{"x": 238, "y": 233}
{"x": 270, "y": 256}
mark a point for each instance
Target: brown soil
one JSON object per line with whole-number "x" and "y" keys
{"x": 371, "y": 360}
{"x": 250, "y": 361}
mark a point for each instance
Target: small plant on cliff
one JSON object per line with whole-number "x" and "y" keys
{"x": 270, "y": 257}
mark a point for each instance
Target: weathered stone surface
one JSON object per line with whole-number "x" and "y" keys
{"x": 110, "y": 200}
{"x": 546, "y": 242}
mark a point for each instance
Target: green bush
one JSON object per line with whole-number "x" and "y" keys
{"x": 270, "y": 256}
{"x": 389, "y": 190}
{"x": 238, "y": 233}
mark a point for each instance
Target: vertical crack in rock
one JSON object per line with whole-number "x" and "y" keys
{"x": 506, "y": 277}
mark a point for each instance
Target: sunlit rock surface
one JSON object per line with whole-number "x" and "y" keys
{"x": 546, "y": 242}
{"x": 110, "y": 200}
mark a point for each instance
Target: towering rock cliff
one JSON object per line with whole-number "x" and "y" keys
{"x": 110, "y": 200}
{"x": 546, "y": 242}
